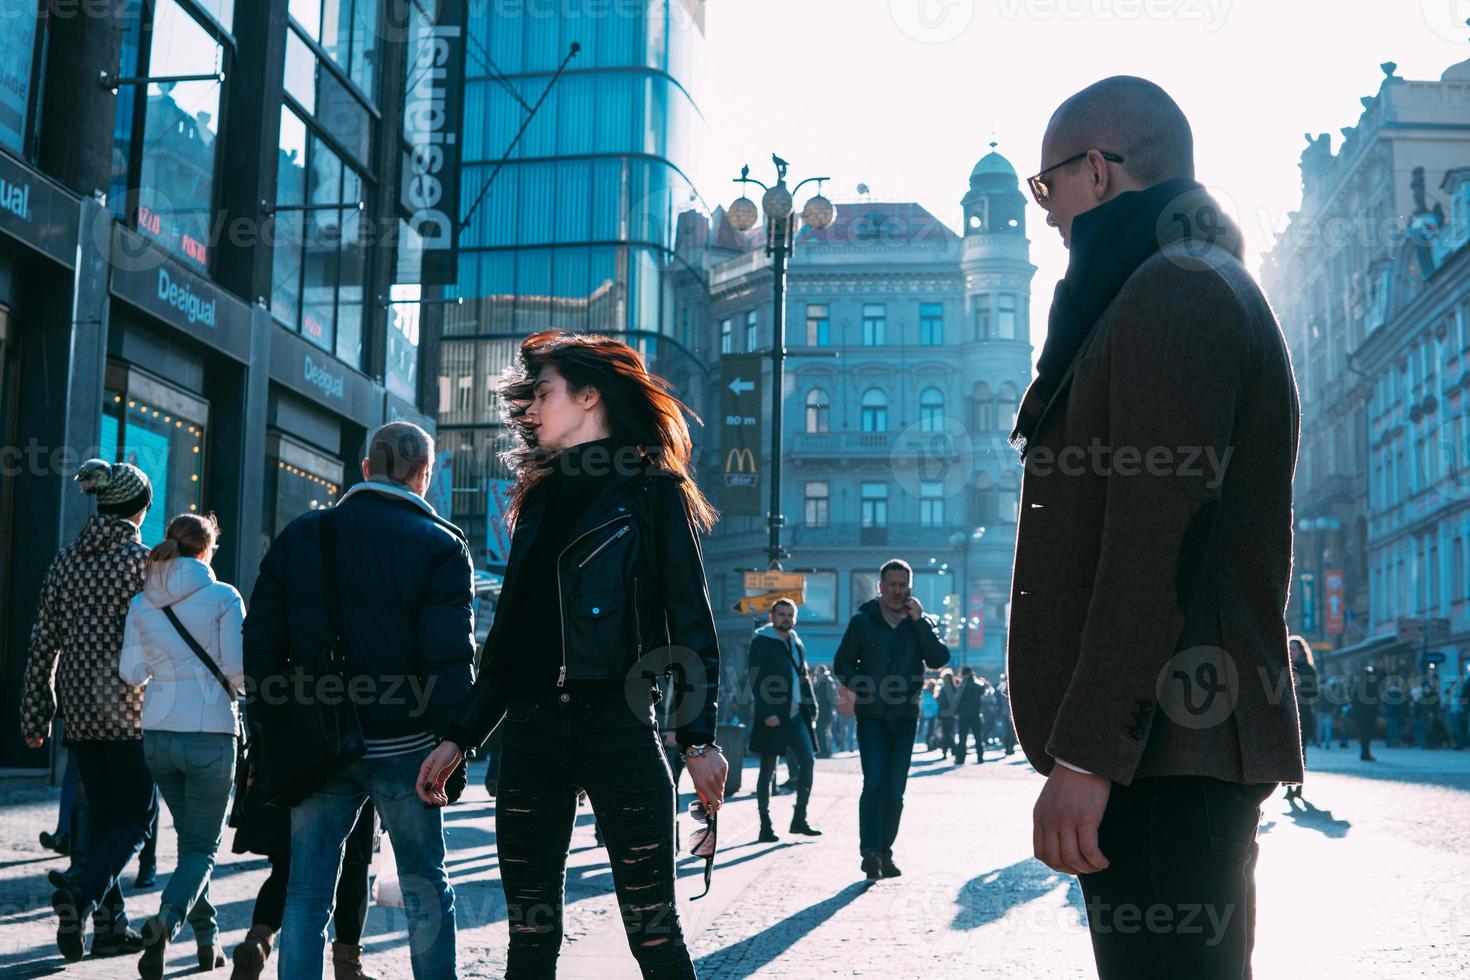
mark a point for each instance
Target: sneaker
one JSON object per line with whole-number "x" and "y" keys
{"x": 873, "y": 867}
{"x": 890, "y": 870}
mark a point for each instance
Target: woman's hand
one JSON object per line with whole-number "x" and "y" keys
{"x": 35, "y": 743}
{"x": 436, "y": 769}
{"x": 708, "y": 772}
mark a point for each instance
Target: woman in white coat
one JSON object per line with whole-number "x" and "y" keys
{"x": 182, "y": 640}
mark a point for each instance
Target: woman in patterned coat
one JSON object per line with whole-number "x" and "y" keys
{"x": 77, "y": 638}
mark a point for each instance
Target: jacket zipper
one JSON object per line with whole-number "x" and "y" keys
{"x": 637, "y": 622}
{"x": 596, "y": 551}
{"x": 561, "y": 608}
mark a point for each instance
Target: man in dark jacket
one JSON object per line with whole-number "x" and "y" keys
{"x": 826, "y": 692}
{"x": 784, "y": 711}
{"x": 967, "y": 715}
{"x": 881, "y": 660}
{"x": 407, "y": 634}
{"x": 1147, "y": 653}
{"x": 1366, "y": 699}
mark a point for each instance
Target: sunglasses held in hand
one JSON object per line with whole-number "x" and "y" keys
{"x": 702, "y": 841}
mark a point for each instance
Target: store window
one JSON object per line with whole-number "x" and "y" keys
{"x": 347, "y": 31}
{"x": 298, "y": 479}
{"x": 159, "y": 429}
{"x": 17, "y": 64}
{"x": 167, "y": 131}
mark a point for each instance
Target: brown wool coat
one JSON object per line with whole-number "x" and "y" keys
{"x": 1153, "y": 556}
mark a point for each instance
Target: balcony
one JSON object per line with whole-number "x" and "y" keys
{"x": 856, "y": 536}
{"x": 837, "y": 444}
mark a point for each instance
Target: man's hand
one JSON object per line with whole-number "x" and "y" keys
{"x": 436, "y": 769}
{"x": 35, "y": 743}
{"x": 708, "y": 772}
{"x": 1065, "y": 821}
{"x": 914, "y": 608}
{"x": 773, "y": 721}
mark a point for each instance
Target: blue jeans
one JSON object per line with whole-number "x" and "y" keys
{"x": 886, "y": 746}
{"x": 194, "y": 772}
{"x": 319, "y": 828}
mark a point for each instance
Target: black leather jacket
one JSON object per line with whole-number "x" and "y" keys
{"x": 633, "y": 600}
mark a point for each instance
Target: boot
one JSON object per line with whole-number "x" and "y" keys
{"x": 767, "y": 834}
{"x": 347, "y": 962}
{"x": 211, "y": 957}
{"x": 800, "y": 826}
{"x": 155, "y": 949}
{"x": 253, "y": 953}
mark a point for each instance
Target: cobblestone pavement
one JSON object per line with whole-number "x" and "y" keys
{"x": 1370, "y": 880}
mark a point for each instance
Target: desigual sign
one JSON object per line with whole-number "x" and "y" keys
{"x": 331, "y": 385}
{"x": 37, "y": 212}
{"x": 196, "y": 308}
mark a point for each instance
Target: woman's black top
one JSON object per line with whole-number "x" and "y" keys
{"x": 533, "y": 638}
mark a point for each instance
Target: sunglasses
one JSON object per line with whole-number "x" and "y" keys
{"x": 1041, "y": 190}
{"x": 702, "y": 841}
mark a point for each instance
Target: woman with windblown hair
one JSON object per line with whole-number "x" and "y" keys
{"x": 604, "y": 592}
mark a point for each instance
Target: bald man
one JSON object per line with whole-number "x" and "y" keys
{"x": 1147, "y": 650}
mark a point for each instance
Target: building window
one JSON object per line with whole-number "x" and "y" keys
{"x": 172, "y": 152}
{"x": 347, "y": 31}
{"x": 752, "y": 327}
{"x": 982, "y": 317}
{"x": 144, "y": 425}
{"x": 1005, "y": 317}
{"x": 820, "y": 594}
{"x": 1005, "y": 406}
{"x": 320, "y": 261}
{"x": 874, "y": 411}
{"x": 818, "y": 411}
{"x": 931, "y": 323}
{"x": 17, "y": 62}
{"x": 874, "y": 504}
{"x": 931, "y": 503}
{"x": 817, "y": 500}
{"x": 302, "y": 479}
{"x": 931, "y": 410}
{"x": 818, "y": 325}
{"x": 727, "y": 336}
{"x": 875, "y": 325}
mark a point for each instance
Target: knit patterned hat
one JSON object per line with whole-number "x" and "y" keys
{"x": 120, "y": 488}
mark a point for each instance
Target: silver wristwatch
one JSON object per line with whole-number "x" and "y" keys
{"x": 696, "y": 751}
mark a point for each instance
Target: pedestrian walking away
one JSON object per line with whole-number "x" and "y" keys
{"x": 182, "y": 645}
{"x": 78, "y": 637}
{"x": 881, "y": 659}
{"x": 604, "y": 592}
{"x": 1134, "y": 584}
{"x": 784, "y": 713}
{"x": 385, "y": 581}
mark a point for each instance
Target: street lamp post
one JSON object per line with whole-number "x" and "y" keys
{"x": 963, "y": 540}
{"x": 818, "y": 213}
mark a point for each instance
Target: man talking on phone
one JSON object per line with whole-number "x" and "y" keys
{"x": 1147, "y": 646}
{"x": 881, "y": 660}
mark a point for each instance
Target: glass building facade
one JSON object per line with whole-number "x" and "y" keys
{"x": 576, "y": 231}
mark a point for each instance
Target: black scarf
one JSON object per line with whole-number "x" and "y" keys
{"x": 1109, "y": 243}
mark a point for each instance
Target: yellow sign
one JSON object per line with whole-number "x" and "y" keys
{"x": 752, "y": 604}
{"x": 774, "y": 581}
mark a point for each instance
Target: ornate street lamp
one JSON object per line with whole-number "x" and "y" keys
{"x": 778, "y": 204}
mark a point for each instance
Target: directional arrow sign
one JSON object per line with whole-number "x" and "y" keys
{"x": 740, "y": 386}
{"x": 775, "y": 581}
{"x": 752, "y": 604}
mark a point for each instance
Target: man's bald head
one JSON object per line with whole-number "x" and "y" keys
{"x": 1131, "y": 117}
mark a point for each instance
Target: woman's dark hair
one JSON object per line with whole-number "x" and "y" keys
{"x": 188, "y": 536}
{"x": 1305, "y": 647}
{"x": 642, "y": 413}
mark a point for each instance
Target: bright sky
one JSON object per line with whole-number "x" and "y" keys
{"x": 904, "y": 95}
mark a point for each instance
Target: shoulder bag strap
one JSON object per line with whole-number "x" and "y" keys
{"x": 199, "y": 651}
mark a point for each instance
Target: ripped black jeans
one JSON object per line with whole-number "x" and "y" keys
{"x": 596, "y": 741}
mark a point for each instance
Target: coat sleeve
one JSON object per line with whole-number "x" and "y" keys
{"x": 446, "y": 639}
{"x": 846, "y": 663}
{"x": 231, "y": 640}
{"x": 692, "y": 637}
{"x": 265, "y": 647}
{"x": 1175, "y": 375}
{"x": 931, "y": 648}
{"x": 38, "y": 696}
{"x": 133, "y": 666}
